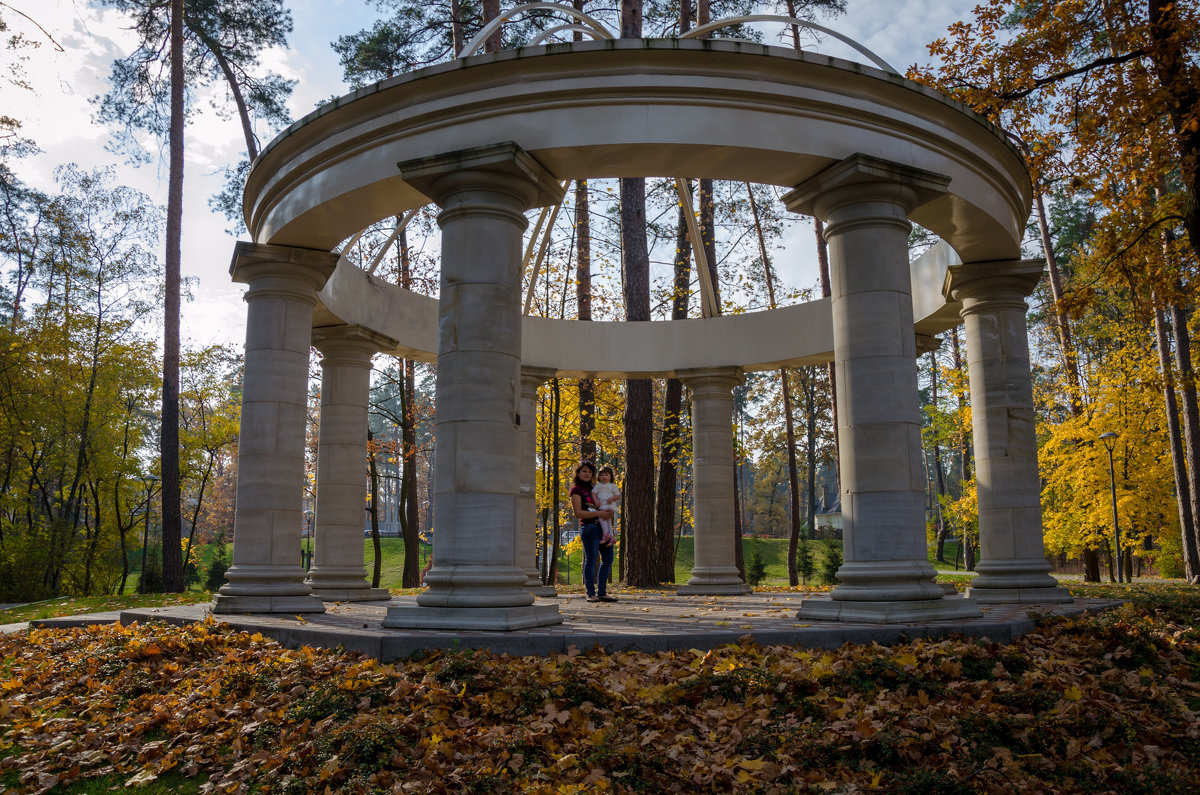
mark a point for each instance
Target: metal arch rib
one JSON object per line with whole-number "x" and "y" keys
{"x": 721, "y": 23}
{"x": 563, "y": 29}
{"x": 487, "y": 30}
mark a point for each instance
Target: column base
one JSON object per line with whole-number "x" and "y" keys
{"x": 470, "y": 586}
{"x": 886, "y": 581}
{"x": 495, "y": 619}
{"x": 352, "y": 594}
{"x": 904, "y": 612}
{"x": 713, "y": 589}
{"x": 250, "y": 603}
{"x": 991, "y": 596}
{"x": 533, "y": 584}
{"x": 714, "y": 581}
{"x": 1014, "y": 573}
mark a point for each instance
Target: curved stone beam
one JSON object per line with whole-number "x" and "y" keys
{"x": 792, "y": 336}
{"x": 635, "y": 107}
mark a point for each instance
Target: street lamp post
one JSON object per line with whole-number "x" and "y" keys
{"x": 150, "y": 481}
{"x": 1109, "y": 439}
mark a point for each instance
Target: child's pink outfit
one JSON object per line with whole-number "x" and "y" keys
{"x": 608, "y": 496}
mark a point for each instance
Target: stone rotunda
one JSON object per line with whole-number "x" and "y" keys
{"x": 489, "y": 137}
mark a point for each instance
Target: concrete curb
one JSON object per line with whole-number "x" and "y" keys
{"x": 629, "y": 627}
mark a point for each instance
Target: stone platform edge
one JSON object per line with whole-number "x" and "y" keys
{"x": 392, "y": 645}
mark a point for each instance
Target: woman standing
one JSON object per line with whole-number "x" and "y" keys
{"x": 583, "y": 504}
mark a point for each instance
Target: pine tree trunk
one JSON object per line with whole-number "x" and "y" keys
{"x": 556, "y": 469}
{"x": 410, "y": 518}
{"x": 1179, "y": 78}
{"x": 937, "y": 465}
{"x": 456, "y": 27}
{"x": 583, "y": 300}
{"x": 638, "y": 535}
{"x": 826, "y": 292}
{"x": 793, "y": 484}
{"x": 668, "y": 457}
{"x": 1190, "y": 413}
{"x": 810, "y": 411}
{"x": 373, "y": 510}
{"x": 172, "y": 531}
{"x": 739, "y": 554}
{"x": 964, "y": 451}
{"x": 1183, "y": 489}
{"x": 491, "y": 10}
{"x": 708, "y": 235}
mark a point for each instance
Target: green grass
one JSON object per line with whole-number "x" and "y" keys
{"x": 78, "y": 605}
{"x": 951, "y": 549}
{"x": 170, "y": 783}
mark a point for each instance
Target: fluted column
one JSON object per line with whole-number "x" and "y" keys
{"x": 476, "y": 581}
{"x": 531, "y": 379}
{"x": 886, "y": 576}
{"x": 1013, "y": 565}
{"x": 715, "y": 570}
{"x": 338, "y": 573}
{"x": 266, "y": 575}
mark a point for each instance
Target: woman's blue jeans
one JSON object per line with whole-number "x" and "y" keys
{"x": 593, "y": 555}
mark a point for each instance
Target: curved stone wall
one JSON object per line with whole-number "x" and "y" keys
{"x": 725, "y": 110}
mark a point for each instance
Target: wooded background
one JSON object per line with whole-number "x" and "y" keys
{"x": 118, "y": 453}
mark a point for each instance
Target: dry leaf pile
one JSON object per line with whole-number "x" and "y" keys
{"x": 1107, "y": 703}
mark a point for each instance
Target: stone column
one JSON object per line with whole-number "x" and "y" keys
{"x": 476, "y": 581}
{"x": 337, "y": 573}
{"x": 1013, "y": 565}
{"x": 886, "y": 576}
{"x": 531, "y": 379}
{"x": 714, "y": 571}
{"x": 266, "y": 575}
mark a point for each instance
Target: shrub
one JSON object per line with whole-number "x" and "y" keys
{"x": 756, "y": 571}
{"x": 831, "y": 563}
{"x": 1169, "y": 560}
{"x": 216, "y": 575}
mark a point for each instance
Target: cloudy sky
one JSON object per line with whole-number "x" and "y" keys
{"x": 58, "y": 115}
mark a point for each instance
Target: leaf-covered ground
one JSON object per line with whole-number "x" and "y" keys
{"x": 1107, "y": 703}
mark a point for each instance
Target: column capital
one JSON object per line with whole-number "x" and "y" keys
{"x": 346, "y": 340}
{"x": 704, "y": 379}
{"x": 441, "y": 176}
{"x": 927, "y": 343}
{"x": 533, "y": 377}
{"x": 260, "y": 266}
{"x": 1005, "y": 280}
{"x": 863, "y": 178}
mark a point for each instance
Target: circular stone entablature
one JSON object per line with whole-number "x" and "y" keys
{"x": 637, "y": 108}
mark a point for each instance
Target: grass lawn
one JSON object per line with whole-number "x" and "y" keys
{"x": 78, "y": 605}
{"x": 1101, "y": 703}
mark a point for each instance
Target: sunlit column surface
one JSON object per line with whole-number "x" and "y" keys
{"x": 1013, "y": 565}
{"x": 714, "y": 570}
{"x": 531, "y": 379}
{"x": 266, "y": 575}
{"x": 338, "y": 573}
{"x": 476, "y": 581}
{"x": 885, "y": 577}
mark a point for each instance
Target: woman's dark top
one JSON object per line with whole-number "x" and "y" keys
{"x": 586, "y": 502}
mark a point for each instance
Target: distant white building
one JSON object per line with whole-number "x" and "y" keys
{"x": 828, "y": 517}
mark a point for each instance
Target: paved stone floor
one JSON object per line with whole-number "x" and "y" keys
{"x": 645, "y": 621}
